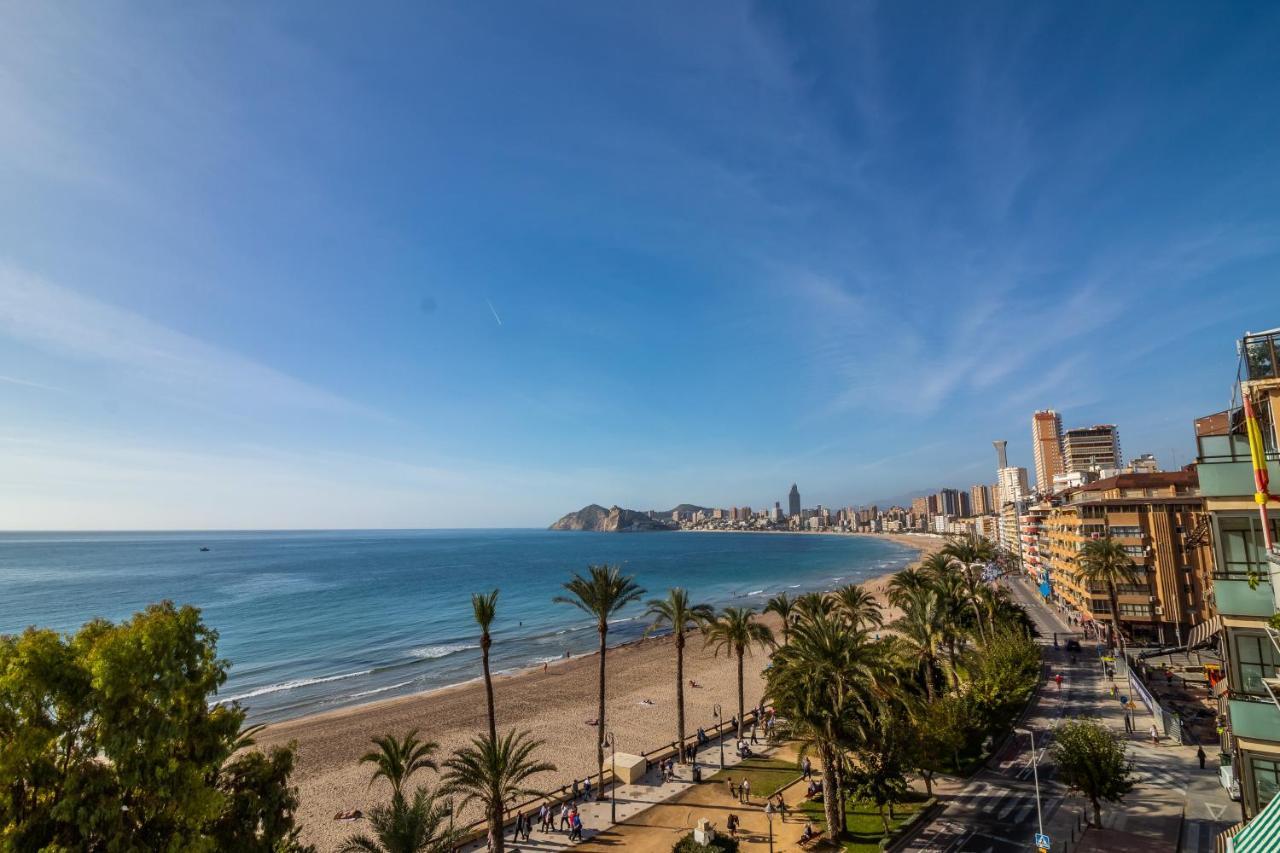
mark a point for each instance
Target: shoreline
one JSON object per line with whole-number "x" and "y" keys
{"x": 554, "y": 702}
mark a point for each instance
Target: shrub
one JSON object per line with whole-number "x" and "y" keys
{"x": 719, "y": 844}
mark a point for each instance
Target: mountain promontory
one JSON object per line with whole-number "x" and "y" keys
{"x": 615, "y": 519}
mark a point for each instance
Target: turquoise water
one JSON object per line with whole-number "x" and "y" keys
{"x": 319, "y": 620}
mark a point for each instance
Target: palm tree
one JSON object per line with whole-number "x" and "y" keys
{"x": 903, "y": 583}
{"x": 417, "y": 826}
{"x": 859, "y": 606}
{"x": 821, "y": 683}
{"x": 922, "y": 630}
{"x": 785, "y": 606}
{"x": 495, "y": 773}
{"x": 602, "y": 593}
{"x": 812, "y": 605}
{"x": 1105, "y": 561}
{"x": 679, "y": 613}
{"x": 485, "y": 608}
{"x": 734, "y": 633}
{"x": 397, "y": 760}
{"x": 972, "y": 553}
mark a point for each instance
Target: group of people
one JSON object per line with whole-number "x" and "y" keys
{"x": 569, "y": 820}
{"x": 668, "y": 768}
{"x": 742, "y": 793}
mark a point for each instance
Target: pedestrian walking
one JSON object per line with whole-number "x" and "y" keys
{"x": 1128, "y": 723}
{"x": 1115, "y": 691}
{"x": 1155, "y": 735}
{"x": 1200, "y": 756}
{"x": 733, "y": 789}
{"x": 1058, "y": 679}
{"x": 806, "y": 768}
{"x": 575, "y": 790}
{"x": 753, "y": 733}
{"x": 746, "y": 791}
{"x": 564, "y": 817}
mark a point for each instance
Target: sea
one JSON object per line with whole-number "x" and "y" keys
{"x": 317, "y": 620}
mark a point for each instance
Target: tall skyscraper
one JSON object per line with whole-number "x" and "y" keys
{"x": 1092, "y": 448}
{"x": 980, "y": 499}
{"x": 1012, "y": 485}
{"x": 793, "y": 501}
{"x": 1046, "y": 441}
{"x": 1002, "y": 460}
{"x": 949, "y": 502}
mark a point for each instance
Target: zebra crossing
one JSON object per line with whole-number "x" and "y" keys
{"x": 985, "y": 817}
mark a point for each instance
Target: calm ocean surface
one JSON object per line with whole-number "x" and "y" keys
{"x": 319, "y": 620}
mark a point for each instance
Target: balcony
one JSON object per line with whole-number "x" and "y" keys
{"x": 1225, "y": 467}
{"x": 1262, "y": 355}
{"x": 1257, "y": 719}
{"x": 1237, "y": 598}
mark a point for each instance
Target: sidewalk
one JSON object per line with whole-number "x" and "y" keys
{"x": 632, "y": 800}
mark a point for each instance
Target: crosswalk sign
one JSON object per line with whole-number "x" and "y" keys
{"x": 1042, "y": 841}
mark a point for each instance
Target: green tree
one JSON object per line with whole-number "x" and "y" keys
{"x": 420, "y": 825}
{"x": 922, "y": 630}
{"x": 1105, "y": 561}
{"x": 679, "y": 613}
{"x": 971, "y": 554}
{"x": 785, "y": 607}
{"x": 811, "y": 605}
{"x": 939, "y": 731}
{"x": 820, "y": 683}
{"x": 602, "y": 593}
{"x": 884, "y": 750}
{"x": 398, "y": 759}
{"x": 484, "y": 608}
{"x": 734, "y": 632}
{"x": 259, "y": 803}
{"x": 494, "y": 774}
{"x": 1091, "y": 759}
{"x": 859, "y": 606}
{"x": 110, "y": 742}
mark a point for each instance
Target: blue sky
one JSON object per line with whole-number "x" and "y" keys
{"x": 431, "y": 265}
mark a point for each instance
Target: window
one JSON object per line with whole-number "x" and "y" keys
{"x": 1134, "y": 550}
{"x": 1266, "y": 779}
{"x": 1126, "y": 530}
{"x": 1255, "y": 660}
{"x": 1135, "y": 609}
{"x": 1100, "y": 605}
{"x": 1240, "y": 538}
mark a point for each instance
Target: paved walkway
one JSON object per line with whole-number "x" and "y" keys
{"x": 631, "y": 800}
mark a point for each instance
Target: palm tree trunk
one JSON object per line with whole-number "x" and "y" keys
{"x": 843, "y": 819}
{"x": 495, "y": 827}
{"x": 1097, "y": 812}
{"x": 977, "y": 613}
{"x": 485, "y": 642}
{"x": 604, "y": 631}
{"x": 831, "y": 805}
{"x": 680, "y": 690}
{"x": 928, "y": 676}
{"x": 1115, "y": 610}
{"x": 741, "y": 705}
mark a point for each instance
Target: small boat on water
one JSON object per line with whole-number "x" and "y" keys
{"x": 204, "y": 547}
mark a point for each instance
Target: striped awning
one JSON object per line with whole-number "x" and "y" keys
{"x": 1260, "y": 835}
{"x": 1204, "y": 632}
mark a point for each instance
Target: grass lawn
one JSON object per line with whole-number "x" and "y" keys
{"x": 865, "y": 827}
{"x": 767, "y": 775}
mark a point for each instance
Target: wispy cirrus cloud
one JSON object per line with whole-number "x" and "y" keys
{"x": 61, "y": 321}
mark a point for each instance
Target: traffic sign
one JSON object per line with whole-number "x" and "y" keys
{"x": 1042, "y": 841}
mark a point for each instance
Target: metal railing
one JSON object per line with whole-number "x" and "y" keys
{"x": 479, "y": 829}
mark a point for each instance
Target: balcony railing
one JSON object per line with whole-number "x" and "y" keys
{"x": 1262, "y": 356}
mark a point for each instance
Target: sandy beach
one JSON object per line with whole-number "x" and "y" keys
{"x": 554, "y": 704}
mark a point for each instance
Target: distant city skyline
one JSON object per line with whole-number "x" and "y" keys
{"x": 468, "y": 266}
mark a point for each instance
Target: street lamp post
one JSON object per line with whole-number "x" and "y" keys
{"x": 768, "y": 812}
{"x": 1035, "y": 772}
{"x": 611, "y": 743}
{"x": 717, "y": 713}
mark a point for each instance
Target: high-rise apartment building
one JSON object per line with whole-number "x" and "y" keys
{"x": 1092, "y": 448}
{"x": 1012, "y": 493}
{"x": 948, "y": 502}
{"x": 793, "y": 500}
{"x": 980, "y": 499}
{"x": 1152, "y": 517}
{"x": 966, "y": 506}
{"x": 1245, "y": 589}
{"x": 1046, "y": 442}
